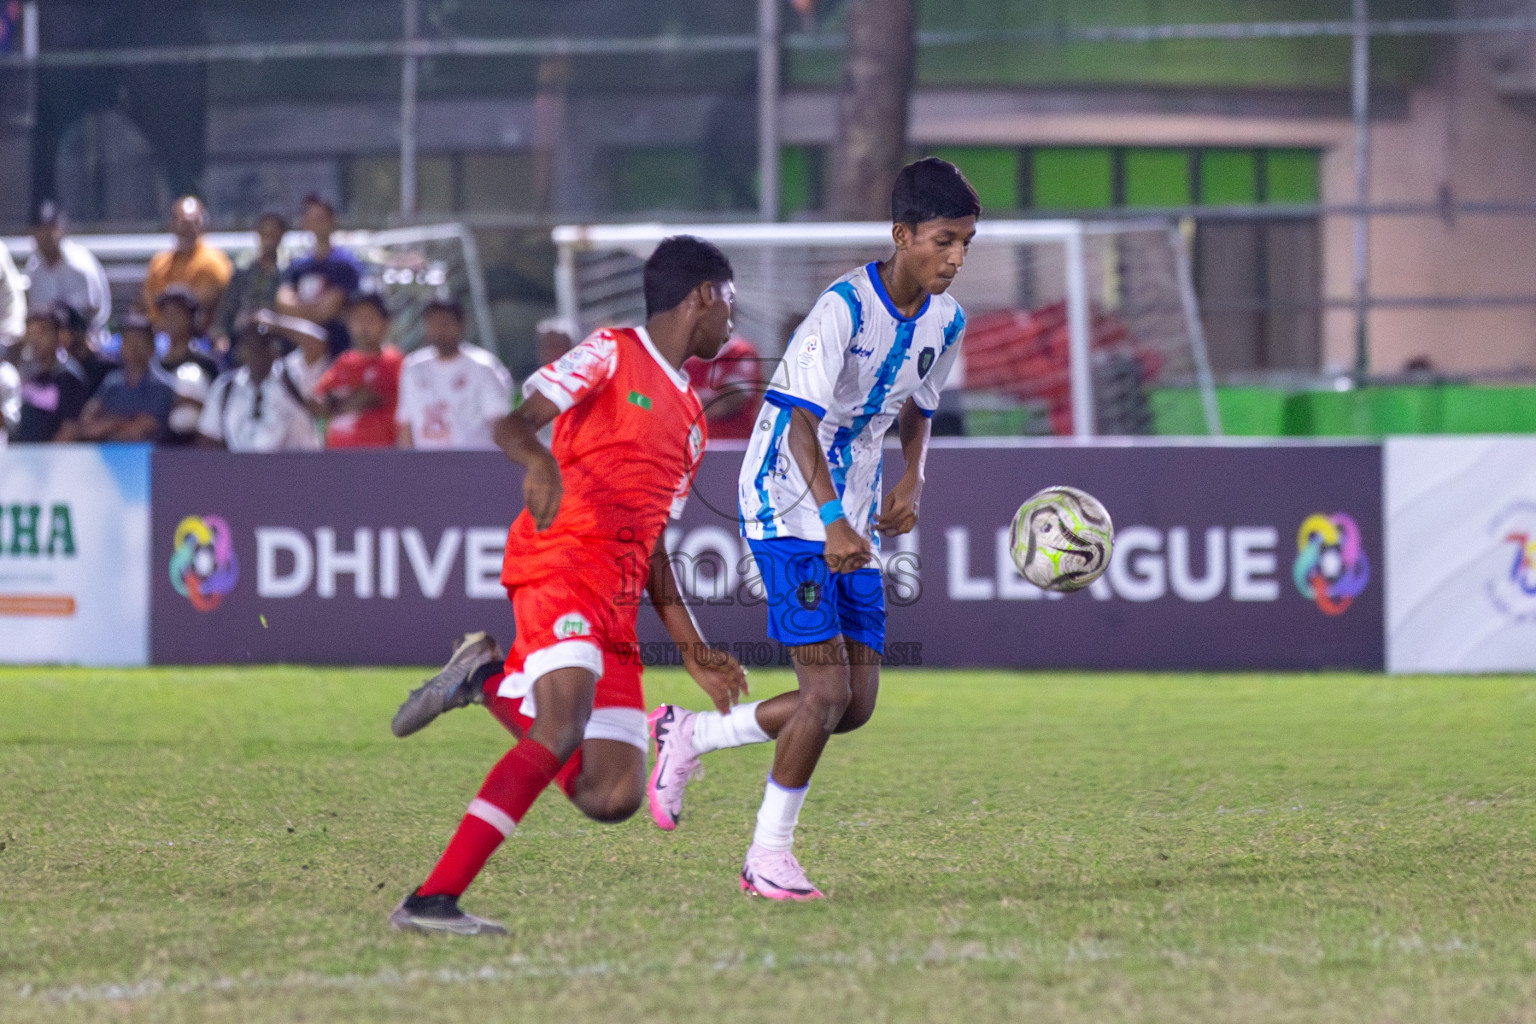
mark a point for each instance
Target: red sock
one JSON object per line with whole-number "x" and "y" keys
{"x": 509, "y": 712}
{"x": 566, "y": 780}
{"x": 509, "y": 790}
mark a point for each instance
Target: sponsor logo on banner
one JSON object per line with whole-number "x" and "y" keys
{"x": 1331, "y": 567}
{"x": 1513, "y": 589}
{"x": 204, "y": 567}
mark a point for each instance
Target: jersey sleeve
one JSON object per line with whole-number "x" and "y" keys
{"x": 807, "y": 375}
{"x": 579, "y": 373}
{"x": 926, "y": 397}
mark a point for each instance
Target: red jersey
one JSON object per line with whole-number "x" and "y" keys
{"x": 628, "y": 440}
{"x": 736, "y": 367}
{"x": 380, "y": 373}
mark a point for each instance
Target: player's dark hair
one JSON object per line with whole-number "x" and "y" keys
{"x": 678, "y": 266}
{"x": 932, "y": 189}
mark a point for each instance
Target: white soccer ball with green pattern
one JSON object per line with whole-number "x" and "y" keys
{"x": 1061, "y": 539}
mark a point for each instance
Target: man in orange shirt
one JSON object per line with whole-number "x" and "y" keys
{"x": 359, "y": 391}
{"x": 202, "y": 268}
{"x": 590, "y": 542}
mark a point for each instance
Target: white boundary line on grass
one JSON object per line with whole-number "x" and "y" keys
{"x": 938, "y": 952}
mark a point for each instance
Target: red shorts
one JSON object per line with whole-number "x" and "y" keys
{"x": 566, "y": 624}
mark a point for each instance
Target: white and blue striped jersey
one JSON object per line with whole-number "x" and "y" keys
{"x": 854, "y": 361}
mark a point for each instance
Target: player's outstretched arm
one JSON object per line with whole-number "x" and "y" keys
{"x": 517, "y": 434}
{"x": 718, "y": 674}
{"x": 845, "y": 550}
{"x": 898, "y": 513}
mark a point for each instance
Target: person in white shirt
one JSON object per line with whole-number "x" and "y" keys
{"x": 257, "y": 408}
{"x": 13, "y": 307}
{"x": 65, "y": 272}
{"x": 311, "y": 355}
{"x": 450, "y": 392}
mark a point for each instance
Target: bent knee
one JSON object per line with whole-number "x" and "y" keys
{"x": 855, "y": 717}
{"x": 612, "y": 808}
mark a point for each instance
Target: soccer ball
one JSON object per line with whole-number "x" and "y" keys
{"x": 1061, "y": 539}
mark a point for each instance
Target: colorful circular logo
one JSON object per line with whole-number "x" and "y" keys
{"x": 1331, "y": 565}
{"x": 203, "y": 563}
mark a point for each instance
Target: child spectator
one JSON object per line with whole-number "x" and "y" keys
{"x": 191, "y": 373}
{"x": 450, "y": 392}
{"x": 134, "y": 402}
{"x": 80, "y": 342}
{"x": 51, "y": 394}
{"x": 358, "y": 393}
{"x": 257, "y": 408}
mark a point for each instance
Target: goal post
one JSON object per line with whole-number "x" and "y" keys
{"x": 1075, "y": 318}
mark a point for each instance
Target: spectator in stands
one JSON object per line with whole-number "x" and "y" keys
{"x": 191, "y": 373}
{"x": 254, "y": 286}
{"x": 257, "y": 408}
{"x": 311, "y": 355}
{"x": 10, "y": 399}
{"x": 730, "y": 388}
{"x": 193, "y": 264}
{"x": 357, "y": 395}
{"x": 135, "y": 401}
{"x": 318, "y": 286}
{"x": 13, "y": 307}
{"x": 51, "y": 394}
{"x": 62, "y": 271}
{"x": 450, "y": 391}
{"x": 80, "y": 342}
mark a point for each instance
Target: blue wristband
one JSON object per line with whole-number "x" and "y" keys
{"x": 832, "y": 511}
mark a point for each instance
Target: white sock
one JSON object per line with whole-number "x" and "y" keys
{"x": 777, "y": 817}
{"x": 735, "y": 728}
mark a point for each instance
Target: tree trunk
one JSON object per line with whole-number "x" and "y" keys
{"x": 871, "y": 143}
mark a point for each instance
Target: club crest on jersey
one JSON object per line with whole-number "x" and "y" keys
{"x": 643, "y": 401}
{"x": 808, "y": 352}
{"x": 695, "y": 443}
{"x": 572, "y": 624}
{"x": 925, "y": 361}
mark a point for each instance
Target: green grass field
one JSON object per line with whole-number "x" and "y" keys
{"x": 224, "y": 846}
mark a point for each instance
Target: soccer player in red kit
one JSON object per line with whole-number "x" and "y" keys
{"x": 628, "y": 435}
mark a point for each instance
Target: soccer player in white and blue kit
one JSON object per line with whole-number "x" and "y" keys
{"x": 875, "y": 350}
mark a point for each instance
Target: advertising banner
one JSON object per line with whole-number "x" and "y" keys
{"x": 74, "y": 554}
{"x": 1461, "y": 554}
{"x": 330, "y": 558}
{"x": 1229, "y": 556}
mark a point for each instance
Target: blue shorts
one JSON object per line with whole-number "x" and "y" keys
{"x": 808, "y": 604}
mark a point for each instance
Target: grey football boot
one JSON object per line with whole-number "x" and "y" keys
{"x": 456, "y": 685}
{"x": 440, "y": 915}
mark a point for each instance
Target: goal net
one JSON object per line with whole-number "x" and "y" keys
{"x": 1072, "y": 326}
{"x": 409, "y": 266}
